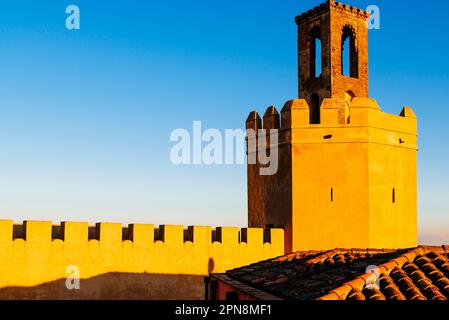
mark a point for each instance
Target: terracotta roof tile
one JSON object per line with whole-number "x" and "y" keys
{"x": 424, "y": 284}
{"x": 406, "y": 285}
{"x": 357, "y": 284}
{"x": 389, "y": 266}
{"x": 415, "y": 274}
{"x": 400, "y": 261}
{"x": 356, "y": 295}
{"x": 390, "y": 289}
{"x": 374, "y": 294}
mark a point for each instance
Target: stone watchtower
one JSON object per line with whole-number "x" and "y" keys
{"x": 347, "y": 173}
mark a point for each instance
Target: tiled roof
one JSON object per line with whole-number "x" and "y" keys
{"x": 412, "y": 274}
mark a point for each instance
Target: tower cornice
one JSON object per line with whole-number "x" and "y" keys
{"x": 326, "y": 6}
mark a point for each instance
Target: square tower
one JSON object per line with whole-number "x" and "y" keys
{"x": 347, "y": 172}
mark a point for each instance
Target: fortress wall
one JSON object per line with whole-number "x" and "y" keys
{"x": 138, "y": 261}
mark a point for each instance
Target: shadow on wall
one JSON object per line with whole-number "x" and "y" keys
{"x": 115, "y": 286}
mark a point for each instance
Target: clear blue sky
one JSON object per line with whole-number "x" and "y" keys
{"x": 85, "y": 116}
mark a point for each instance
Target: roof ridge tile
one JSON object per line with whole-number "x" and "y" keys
{"x": 342, "y": 291}
{"x": 357, "y": 284}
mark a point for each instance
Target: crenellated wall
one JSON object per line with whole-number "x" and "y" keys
{"x": 116, "y": 262}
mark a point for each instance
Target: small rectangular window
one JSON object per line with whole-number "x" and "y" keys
{"x": 394, "y": 195}
{"x": 332, "y": 194}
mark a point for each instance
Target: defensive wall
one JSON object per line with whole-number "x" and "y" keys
{"x": 116, "y": 262}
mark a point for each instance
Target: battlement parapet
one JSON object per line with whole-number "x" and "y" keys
{"x": 348, "y": 9}
{"x": 316, "y": 11}
{"x": 80, "y": 233}
{"x": 359, "y": 112}
{"x": 360, "y": 120}
{"x": 366, "y": 112}
{"x": 271, "y": 119}
{"x": 327, "y": 6}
